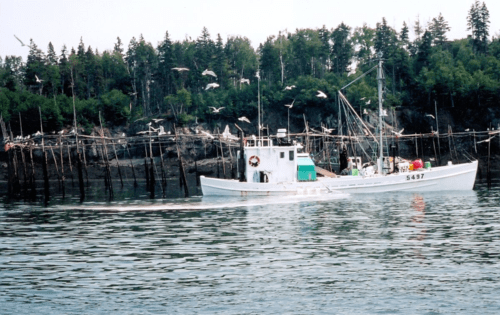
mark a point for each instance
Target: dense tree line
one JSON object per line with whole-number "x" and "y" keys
{"x": 142, "y": 80}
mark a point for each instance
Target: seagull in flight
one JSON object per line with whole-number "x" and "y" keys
{"x": 290, "y": 105}
{"x": 211, "y": 86}
{"x": 180, "y": 69}
{"x": 157, "y": 120}
{"x": 216, "y": 110}
{"x": 369, "y": 102}
{"x": 22, "y": 44}
{"x": 321, "y": 94}
{"x": 209, "y": 72}
{"x": 289, "y": 88}
{"x": 243, "y": 80}
{"x": 431, "y": 116}
{"x": 132, "y": 93}
{"x": 398, "y": 133}
{"x": 37, "y": 79}
{"x": 243, "y": 118}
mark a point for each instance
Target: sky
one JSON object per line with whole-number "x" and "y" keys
{"x": 99, "y": 23}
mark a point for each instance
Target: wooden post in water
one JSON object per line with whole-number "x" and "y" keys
{"x": 55, "y": 164}
{"x": 32, "y": 177}
{"x": 146, "y": 169}
{"x": 80, "y": 177}
{"x": 23, "y": 159}
{"x": 70, "y": 165}
{"x": 222, "y": 157}
{"x": 163, "y": 175}
{"x": 62, "y": 166}
{"x": 182, "y": 173}
{"x": 106, "y": 160}
{"x": 132, "y": 165}
{"x": 488, "y": 173}
{"x": 117, "y": 163}
{"x": 44, "y": 163}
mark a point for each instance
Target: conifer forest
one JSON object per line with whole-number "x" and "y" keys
{"x": 181, "y": 80}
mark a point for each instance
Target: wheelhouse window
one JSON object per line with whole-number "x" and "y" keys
{"x": 282, "y": 155}
{"x": 290, "y": 155}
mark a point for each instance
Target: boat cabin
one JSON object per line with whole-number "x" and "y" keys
{"x": 283, "y": 161}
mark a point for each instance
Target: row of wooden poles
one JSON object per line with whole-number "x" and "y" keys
{"x": 151, "y": 172}
{"x": 17, "y": 159}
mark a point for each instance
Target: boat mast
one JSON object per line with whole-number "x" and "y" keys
{"x": 258, "y": 100}
{"x": 380, "y": 79}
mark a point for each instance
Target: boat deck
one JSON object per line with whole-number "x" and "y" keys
{"x": 324, "y": 172}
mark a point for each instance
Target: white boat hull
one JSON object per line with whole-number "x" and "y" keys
{"x": 442, "y": 178}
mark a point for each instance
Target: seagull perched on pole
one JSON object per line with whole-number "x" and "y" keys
{"x": 211, "y": 86}
{"x": 289, "y": 88}
{"x": 430, "y": 115}
{"x": 209, "y": 72}
{"x": 321, "y": 94}
{"x": 37, "y": 79}
{"x": 180, "y": 69}
{"x": 216, "y": 110}
{"x": 243, "y": 80}
{"x": 243, "y": 118}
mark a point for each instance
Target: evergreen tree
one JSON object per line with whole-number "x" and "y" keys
{"x": 404, "y": 39}
{"x": 118, "y": 47}
{"x": 165, "y": 65}
{"x": 342, "y": 49}
{"x": 438, "y": 29}
{"x": 478, "y": 22}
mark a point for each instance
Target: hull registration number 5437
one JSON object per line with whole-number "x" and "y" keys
{"x": 414, "y": 176}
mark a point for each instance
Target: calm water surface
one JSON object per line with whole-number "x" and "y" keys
{"x": 359, "y": 254}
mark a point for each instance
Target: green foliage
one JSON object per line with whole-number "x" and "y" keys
{"x": 125, "y": 84}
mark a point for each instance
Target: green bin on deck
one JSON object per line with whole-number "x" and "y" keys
{"x": 305, "y": 169}
{"x": 355, "y": 172}
{"x": 427, "y": 165}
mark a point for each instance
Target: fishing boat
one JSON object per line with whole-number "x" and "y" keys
{"x": 280, "y": 166}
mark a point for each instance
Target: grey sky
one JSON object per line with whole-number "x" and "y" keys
{"x": 99, "y": 23}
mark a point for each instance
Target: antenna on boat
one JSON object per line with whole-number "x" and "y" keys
{"x": 380, "y": 80}
{"x": 258, "y": 100}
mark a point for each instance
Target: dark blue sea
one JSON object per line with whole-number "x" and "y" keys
{"x": 406, "y": 253}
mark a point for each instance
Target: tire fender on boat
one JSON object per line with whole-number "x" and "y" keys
{"x": 254, "y": 161}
